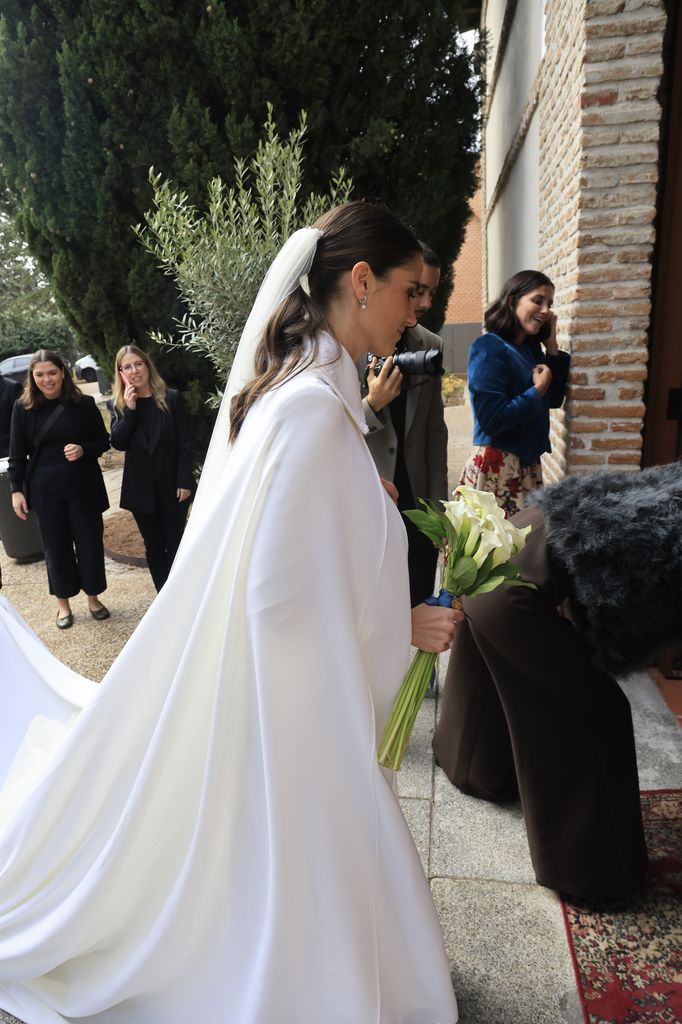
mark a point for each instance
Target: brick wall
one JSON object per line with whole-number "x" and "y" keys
{"x": 465, "y": 304}
{"x": 620, "y": 124}
{"x": 601, "y": 127}
{"x": 560, "y": 86}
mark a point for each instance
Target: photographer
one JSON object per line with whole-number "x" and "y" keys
{"x": 407, "y": 435}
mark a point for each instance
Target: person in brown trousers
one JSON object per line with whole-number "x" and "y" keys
{"x": 531, "y": 709}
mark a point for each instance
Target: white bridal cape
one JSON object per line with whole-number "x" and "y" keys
{"x": 207, "y": 836}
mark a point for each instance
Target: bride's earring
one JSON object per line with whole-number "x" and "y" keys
{"x": 363, "y": 301}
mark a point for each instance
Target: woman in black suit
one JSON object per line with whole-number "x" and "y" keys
{"x": 150, "y": 425}
{"x": 57, "y": 434}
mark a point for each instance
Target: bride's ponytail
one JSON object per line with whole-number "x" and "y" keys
{"x": 280, "y": 353}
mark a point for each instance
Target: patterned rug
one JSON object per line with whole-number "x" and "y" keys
{"x": 628, "y": 962}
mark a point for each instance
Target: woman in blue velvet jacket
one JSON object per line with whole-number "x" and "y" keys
{"x": 517, "y": 373}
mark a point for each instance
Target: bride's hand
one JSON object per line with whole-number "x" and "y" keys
{"x": 433, "y": 627}
{"x": 391, "y": 489}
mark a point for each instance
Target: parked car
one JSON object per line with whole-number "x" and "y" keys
{"x": 15, "y": 367}
{"x": 86, "y": 369}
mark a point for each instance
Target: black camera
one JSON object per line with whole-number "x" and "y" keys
{"x": 427, "y": 362}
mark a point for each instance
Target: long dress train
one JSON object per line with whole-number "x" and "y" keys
{"x": 212, "y": 838}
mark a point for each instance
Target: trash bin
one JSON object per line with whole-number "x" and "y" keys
{"x": 104, "y": 385}
{"x": 20, "y": 537}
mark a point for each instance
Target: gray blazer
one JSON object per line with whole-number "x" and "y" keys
{"x": 426, "y": 436}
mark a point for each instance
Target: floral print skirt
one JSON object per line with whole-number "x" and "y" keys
{"x": 502, "y": 473}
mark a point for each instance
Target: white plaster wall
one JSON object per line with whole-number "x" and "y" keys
{"x": 513, "y": 228}
{"x": 494, "y": 16}
{"x": 521, "y": 59}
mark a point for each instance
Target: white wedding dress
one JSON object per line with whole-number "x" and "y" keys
{"x": 207, "y": 836}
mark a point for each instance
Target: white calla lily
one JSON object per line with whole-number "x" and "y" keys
{"x": 456, "y": 512}
{"x": 518, "y": 536}
{"x": 505, "y": 548}
{"x": 473, "y": 537}
{"x": 481, "y": 503}
{"x": 488, "y": 541}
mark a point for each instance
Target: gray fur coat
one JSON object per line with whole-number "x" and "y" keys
{"x": 619, "y": 536}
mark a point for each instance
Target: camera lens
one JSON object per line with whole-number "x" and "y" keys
{"x": 428, "y": 363}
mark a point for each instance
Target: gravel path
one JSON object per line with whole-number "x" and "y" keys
{"x": 89, "y": 647}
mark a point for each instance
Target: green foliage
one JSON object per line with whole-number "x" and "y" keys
{"x": 218, "y": 259}
{"x": 29, "y": 319}
{"x": 463, "y": 574}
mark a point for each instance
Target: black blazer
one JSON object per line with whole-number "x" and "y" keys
{"x": 82, "y": 423}
{"x": 9, "y": 392}
{"x": 157, "y": 465}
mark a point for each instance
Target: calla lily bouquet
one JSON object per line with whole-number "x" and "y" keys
{"x": 477, "y": 543}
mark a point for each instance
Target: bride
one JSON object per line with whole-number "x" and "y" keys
{"x": 207, "y": 835}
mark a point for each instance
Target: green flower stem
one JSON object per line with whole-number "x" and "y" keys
{"x": 405, "y": 709}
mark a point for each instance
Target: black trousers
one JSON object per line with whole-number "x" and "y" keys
{"x": 162, "y": 532}
{"x": 72, "y": 536}
{"x": 422, "y": 558}
{"x": 526, "y": 715}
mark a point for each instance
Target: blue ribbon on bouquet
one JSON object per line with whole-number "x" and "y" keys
{"x": 444, "y": 598}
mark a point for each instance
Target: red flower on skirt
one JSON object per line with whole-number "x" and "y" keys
{"x": 491, "y": 461}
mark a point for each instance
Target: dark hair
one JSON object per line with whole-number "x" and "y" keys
{"x": 351, "y": 233}
{"x": 32, "y": 396}
{"x": 430, "y": 256}
{"x": 500, "y": 317}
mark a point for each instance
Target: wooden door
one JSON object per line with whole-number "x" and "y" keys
{"x": 663, "y": 422}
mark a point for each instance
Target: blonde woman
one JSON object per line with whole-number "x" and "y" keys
{"x": 150, "y": 425}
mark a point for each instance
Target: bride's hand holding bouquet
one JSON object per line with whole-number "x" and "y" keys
{"x": 477, "y": 544}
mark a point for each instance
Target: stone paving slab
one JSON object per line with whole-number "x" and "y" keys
{"x": 473, "y": 838}
{"x": 658, "y": 737}
{"x": 418, "y": 816}
{"x": 508, "y": 951}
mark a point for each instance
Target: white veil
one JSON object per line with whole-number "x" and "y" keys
{"x": 292, "y": 263}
